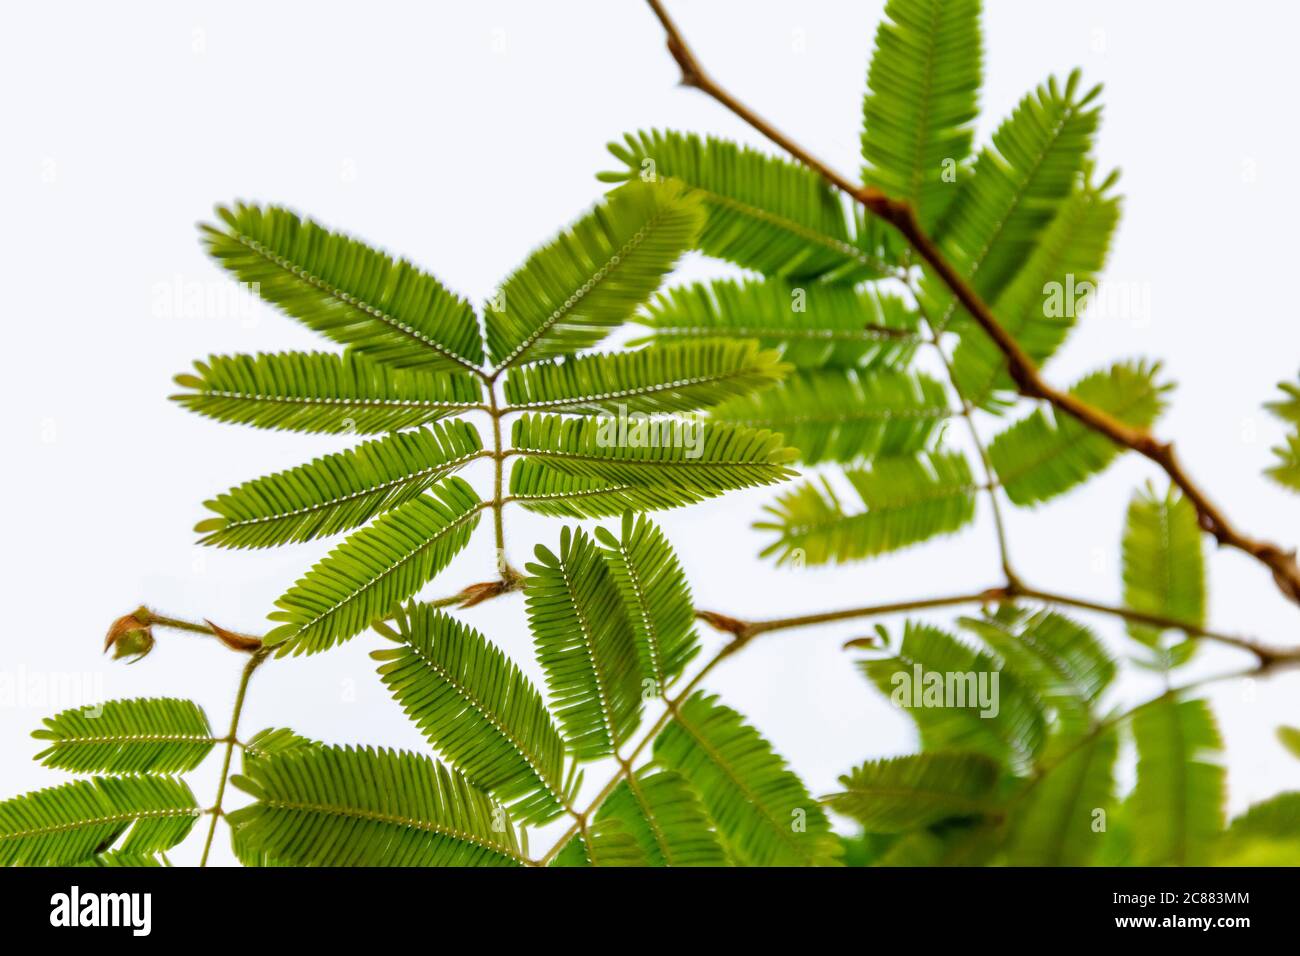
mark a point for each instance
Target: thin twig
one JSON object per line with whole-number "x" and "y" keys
{"x": 986, "y": 465}
{"x": 231, "y": 738}
{"x": 1268, "y": 656}
{"x": 1024, "y": 372}
{"x": 234, "y": 640}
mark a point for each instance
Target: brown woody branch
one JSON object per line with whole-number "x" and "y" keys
{"x": 1030, "y": 383}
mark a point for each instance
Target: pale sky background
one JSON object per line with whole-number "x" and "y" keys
{"x": 461, "y": 136}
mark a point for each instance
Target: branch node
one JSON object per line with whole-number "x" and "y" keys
{"x": 727, "y": 624}
{"x": 474, "y": 594}
{"x": 998, "y": 595}
{"x": 244, "y": 643}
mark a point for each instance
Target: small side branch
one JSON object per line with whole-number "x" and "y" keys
{"x": 1267, "y": 656}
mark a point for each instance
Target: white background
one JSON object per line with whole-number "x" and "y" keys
{"x": 463, "y": 135}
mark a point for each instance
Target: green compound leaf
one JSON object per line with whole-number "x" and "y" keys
{"x": 961, "y": 698}
{"x": 1015, "y": 189}
{"x": 770, "y": 215}
{"x": 812, "y": 325}
{"x": 664, "y": 817}
{"x": 141, "y": 735}
{"x": 362, "y": 579}
{"x": 338, "y": 492}
{"x": 656, "y": 597}
{"x": 1179, "y": 798}
{"x": 323, "y": 392}
{"x": 903, "y": 793}
{"x": 345, "y": 806}
{"x": 1163, "y": 562}
{"x": 67, "y": 824}
{"x": 846, "y": 416}
{"x": 585, "y": 644}
{"x": 907, "y": 501}
{"x": 571, "y": 293}
{"x": 923, "y": 88}
{"x": 472, "y": 703}
{"x": 764, "y": 814}
{"x": 662, "y": 378}
{"x": 342, "y": 288}
{"x": 1048, "y": 453}
{"x": 684, "y": 461}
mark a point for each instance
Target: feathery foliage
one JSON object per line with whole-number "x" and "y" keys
{"x": 764, "y": 814}
{"x": 346, "y": 806}
{"x": 322, "y": 805}
{"x": 1268, "y": 834}
{"x": 1047, "y": 453}
{"x": 1178, "y": 799}
{"x": 1049, "y": 293}
{"x": 937, "y": 680}
{"x": 570, "y": 293}
{"x": 655, "y": 452}
{"x": 585, "y": 644}
{"x": 813, "y": 325}
{"x": 144, "y": 735}
{"x": 1060, "y": 659}
{"x": 115, "y": 858}
{"x": 323, "y": 392}
{"x": 540, "y": 488}
{"x": 660, "y": 811}
{"x": 1286, "y": 470}
{"x": 338, "y": 492}
{"x": 1017, "y": 186}
{"x": 656, "y": 597}
{"x": 764, "y": 213}
{"x": 918, "y": 113}
{"x": 907, "y": 500}
{"x": 846, "y": 416}
{"x": 809, "y": 360}
{"x": 903, "y": 793}
{"x": 384, "y": 308}
{"x": 1056, "y": 815}
{"x": 605, "y": 843}
{"x": 75, "y": 821}
{"x": 670, "y": 378}
{"x": 416, "y": 354}
{"x": 272, "y": 741}
{"x": 475, "y": 706}
{"x": 363, "y": 578}
{"x": 1163, "y": 565}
